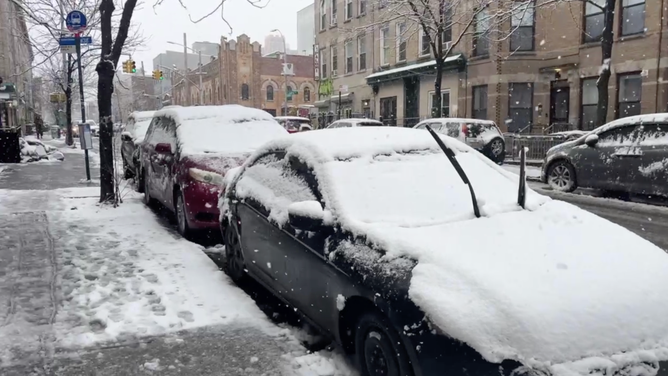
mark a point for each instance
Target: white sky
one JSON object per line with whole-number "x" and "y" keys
{"x": 169, "y": 21}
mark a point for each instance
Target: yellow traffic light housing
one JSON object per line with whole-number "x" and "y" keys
{"x": 125, "y": 67}
{"x": 156, "y": 74}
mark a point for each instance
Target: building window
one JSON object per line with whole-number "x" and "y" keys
{"x": 270, "y": 93}
{"x": 362, "y": 7}
{"x": 288, "y": 93}
{"x": 480, "y": 41}
{"x": 447, "y": 33}
{"x": 401, "y": 42}
{"x": 349, "y": 52}
{"x": 520, "y": 98}
{"x": 589, "y": 103}
{"x": 333, "y": 7}
{"x": 522, "y": 26}
{"x": 633, "y": 17}
{"x": 323, "y": 64}
{"x": 307, "y": 94}
{"x": 323, "y": 15}
{"x": 361, "y": 52}
{"x": 335, "y": 60}
{"x": 480, "y": 102}
{"x": 629, "y": 94}
{"x": 594, "y": 20}
{"x": 425, "y": 48}
{"x": 349, "y": 9}
{"x": 445, "y": 103}
{"x": 385, "y": 46}
{"x": 245, "y": 92}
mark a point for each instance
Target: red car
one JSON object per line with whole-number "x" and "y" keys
{"x": 188, "y": 150}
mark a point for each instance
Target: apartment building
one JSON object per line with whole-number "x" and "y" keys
{"x": 542, "y": 73}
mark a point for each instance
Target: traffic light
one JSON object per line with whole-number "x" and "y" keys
{"x": 156, "y": 74}
{"x": 161, "y": 77}
{"x": 134, "y": 66}
{"x": 126, "y": 66}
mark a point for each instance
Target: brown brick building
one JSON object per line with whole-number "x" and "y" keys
{"x": 241, "y": 75}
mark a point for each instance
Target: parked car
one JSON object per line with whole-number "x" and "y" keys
{"x": 482, "y": 135}
{"x": 569, "y": 135}
{"x": 372, "y": 236}
{"x": 188, "y": 150}
{"x": 131, "y": 139}
{"x": 347, "y": 123}
{"x": 294, "y": 124}
{"x": 626, "y": 155}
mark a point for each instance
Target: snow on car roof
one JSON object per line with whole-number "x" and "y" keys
{"x": 459, "y": 120}
{"x": 141, "y": 115}
{"x": 637, "y": 119}
{"x": 292, "y": 118}
{"x": 230, "y": 129}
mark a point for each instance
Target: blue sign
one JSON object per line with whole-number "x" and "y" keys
{"x": 76, "y": 21}
{"x": 72, "y": 41}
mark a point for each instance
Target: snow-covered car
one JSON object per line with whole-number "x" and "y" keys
{"x": 133, "y": 135}
{"x": 188, "y": 150}
{"x": 372, "y": 235}
{"x": 482, "y": 135}
{"x": 626, "y": 155}
{"x": 569, "y": 135}
{"x": 294, "y": 124}
{"x": 348, "y": 123}
{"x": 33, "y": 150}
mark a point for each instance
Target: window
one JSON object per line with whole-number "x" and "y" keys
{"x": 385, "y": 46}
{"x": 245, "y": 92}
{"x": 633, "y": 17}
{"x": 447, "y": 33}
{"x": 480, "y": 41}
{"x": 307, "y": 94}
{"x": 629, "y": 94}
{"x": 445, "y": 103}
{"x": 620, "y": 136}
{"x": 323, "y": 15}
{"x": 401, "y": 42}
{"x": 362, "y": 7}
{"x": 480, "y": 102}
{"x": 335, "y": 60}
{"x": 361, "y": 52}
{"x": 589, "y": 103}
{"x": 520, "y": 97}
{"x": 425, "y": 48}
{"x": 522, "y": 26}
{"x": 349, "y": 9}
{"x": 333, "y": 7}
{"x": 288, "y": 93}
{"x": 323, "y": 64}
{"x": 270, "y": 93}
{"x": 594, "y": 20}
{"x": 652, "y": 135}
{"x": 349, "y": 52}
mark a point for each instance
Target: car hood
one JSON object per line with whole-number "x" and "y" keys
{"x": 549, "y": 287}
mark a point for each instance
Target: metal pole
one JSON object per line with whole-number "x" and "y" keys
{"x": 201, "y": 93}
{"x": 185, "y": 70}
{"x": 285, "y": 72}
{"x": 81, "y": 97}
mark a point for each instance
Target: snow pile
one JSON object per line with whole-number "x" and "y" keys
{"x": 222, "y": 129}
{"x": 33, "y": 150}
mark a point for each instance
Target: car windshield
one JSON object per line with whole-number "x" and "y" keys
{"x": 423, "y": 187}
{"x": 140, "y": 130}
{"x": 482, "y": 129}
{"x": 368, "y": 124}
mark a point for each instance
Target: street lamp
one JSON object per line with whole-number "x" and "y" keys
{"x": 285, "y": 72}
{"x": 185, "y": 54}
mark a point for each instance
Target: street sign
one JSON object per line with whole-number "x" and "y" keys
{"x": 72, "y": 41}
{"x": 76, "y": 21}
{"x": 71, "y": 50}
{"x": 343, "y": 88}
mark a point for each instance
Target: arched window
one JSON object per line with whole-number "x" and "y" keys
{"x": 307, "y": 94}
{"x": 270, "y": 93}
{"x": 245, "y": 92}
{"x": 289, "y": 93}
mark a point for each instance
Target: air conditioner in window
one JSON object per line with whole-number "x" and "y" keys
{"x": 447, "y": 45}
{"x": 334, "y": 73}
{"x": 288, "y": 69}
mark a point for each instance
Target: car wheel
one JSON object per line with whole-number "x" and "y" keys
{"x": 148, "y": 200}
{"x": 127, "y": 173}
{"x": 379, "y": 349}
{"x": 234, "y": 265}
{"x": 497, "y": 150}
{"x": 181, "y": 216}
{"x": 561, "y": 177}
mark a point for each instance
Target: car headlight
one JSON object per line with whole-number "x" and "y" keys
{"x": 206, "y": 176}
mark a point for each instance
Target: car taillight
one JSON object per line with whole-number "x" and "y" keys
{"x": 465, "y": 130}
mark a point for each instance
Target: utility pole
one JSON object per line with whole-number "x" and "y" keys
{"x": 185, "y": 69}
{"x": 285, "y": 72}
{"x": 77, "y": 36}
{"x": 201, "y": 93}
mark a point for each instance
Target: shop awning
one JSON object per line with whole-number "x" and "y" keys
{"x": 452, "y": 63}
{"x": 344, "y": 97}
{"x": 323, "y": 103}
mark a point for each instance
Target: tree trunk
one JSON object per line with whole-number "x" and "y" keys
{"x": 437, "y": 106}
{"x": 105, "y": 89}
{"x": 606, "y": 56}
{"x": 69, "y": 138}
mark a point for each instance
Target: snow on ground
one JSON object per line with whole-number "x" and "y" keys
{"x": 532, "y": 171}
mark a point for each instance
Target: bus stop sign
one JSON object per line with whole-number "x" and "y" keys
{"x": 76, "y": 21}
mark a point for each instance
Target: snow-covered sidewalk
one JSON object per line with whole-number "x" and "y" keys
{"x": 104, "y": 275}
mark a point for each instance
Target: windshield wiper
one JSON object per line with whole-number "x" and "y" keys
{"x": 451, "y": 157}
{"x": 522, "y": 191}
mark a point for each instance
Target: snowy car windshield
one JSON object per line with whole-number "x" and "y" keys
{"x": 422, "y": 187}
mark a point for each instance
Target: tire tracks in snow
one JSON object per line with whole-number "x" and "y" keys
{"x": 11, "y": 311}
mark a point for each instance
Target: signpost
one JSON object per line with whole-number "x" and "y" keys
{"x": 76, "y": 22}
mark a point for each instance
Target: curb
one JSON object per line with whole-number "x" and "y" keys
{"x": 529, "y": 163}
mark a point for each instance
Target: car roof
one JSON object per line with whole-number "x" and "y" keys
{"x": 358, "y": 120}
{"x": 637, "y": 119}
{"x": 459, "y": 120}
{"x": 230, "y": 113}
{"x": 142, "y": 114}
{"x": 292, "y": 118}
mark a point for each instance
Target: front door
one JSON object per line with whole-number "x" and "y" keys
{"x": 388, "y": 110}
{"x": 411, "y": 101}
{"x": 559, "y": 102}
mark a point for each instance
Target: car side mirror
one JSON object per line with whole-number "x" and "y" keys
{"x": 126, "y": 137}
{"x": 306, "y": 215}
{"x": 163, "y": 148}
{"x": 591, "y": 140}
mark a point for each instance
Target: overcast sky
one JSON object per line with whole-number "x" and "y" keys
{"x": 169, "y": 21}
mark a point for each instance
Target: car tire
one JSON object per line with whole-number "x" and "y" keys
{"x": 181, "y": 216}
{"x": 148, "y": 200}
{"x": 379, "y": 348}
{"x": 234, "y": 265}
{"x": 127, "y": 173}
{"x": 561, "y": 177}
{"x": 497, "y": 150}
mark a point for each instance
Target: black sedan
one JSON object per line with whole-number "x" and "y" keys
{"x": 423, "y": 259}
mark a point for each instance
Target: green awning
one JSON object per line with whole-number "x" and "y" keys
{"x": 454, "y": 63}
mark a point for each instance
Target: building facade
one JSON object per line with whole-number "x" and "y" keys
{"x": 542, "y": 73}
{"x": 306, "y": 30}
{"x": 173, "y": 62}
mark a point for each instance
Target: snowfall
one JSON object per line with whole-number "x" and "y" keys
{"x": 121, "y": 274}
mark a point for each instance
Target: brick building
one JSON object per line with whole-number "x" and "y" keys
{"x": 543, "y": 73}
{"x": 241, "y": 75}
